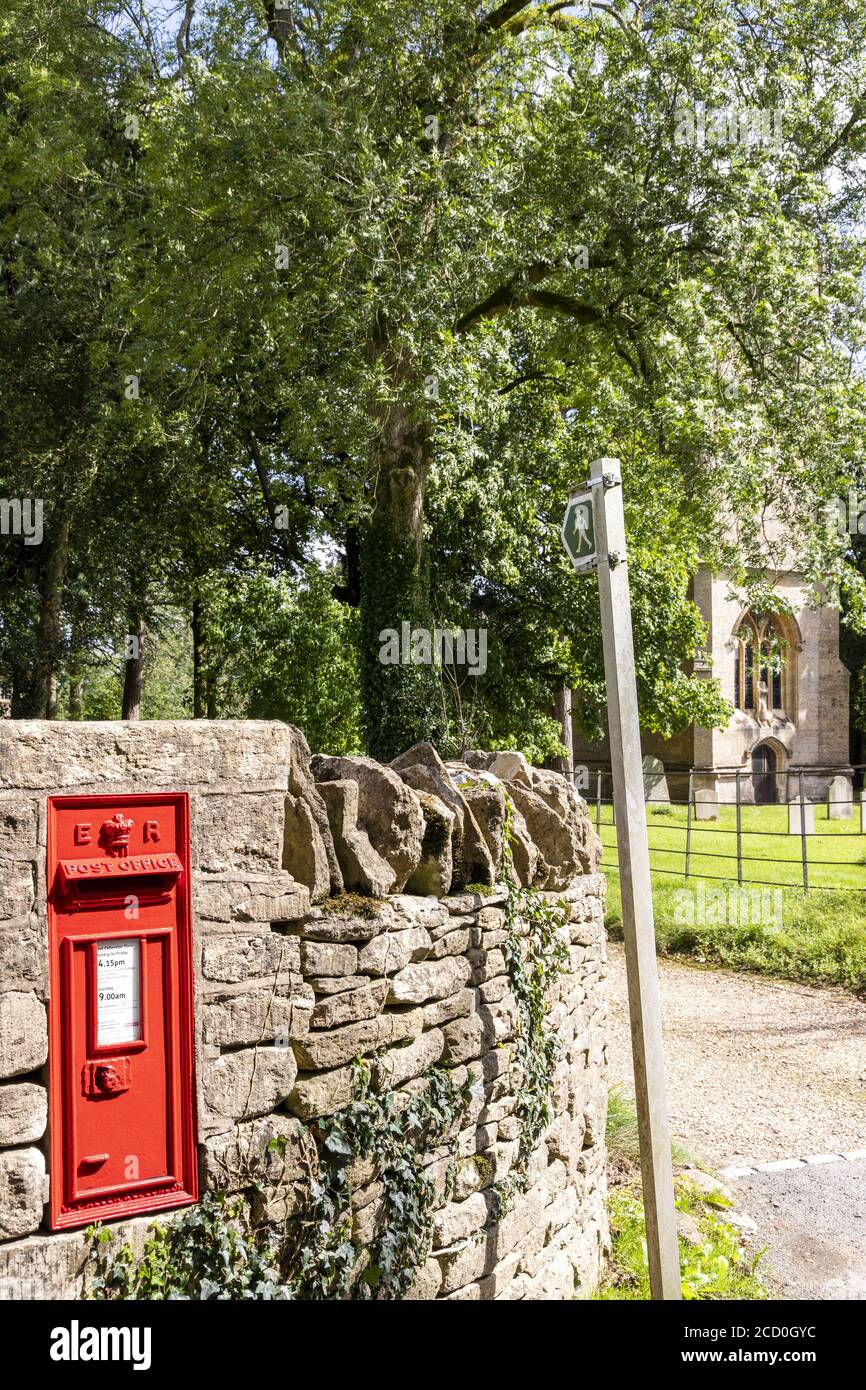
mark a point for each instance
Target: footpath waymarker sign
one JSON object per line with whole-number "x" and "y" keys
{"x": 578, "y": 531}
{"x": 597, "y": 545}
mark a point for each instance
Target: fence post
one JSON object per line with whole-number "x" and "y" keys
{"x": 739, "y": 832}
{"x": 689, "y": 827}
{"x": 598, "y": 806}
{"x": 803, "y": 833}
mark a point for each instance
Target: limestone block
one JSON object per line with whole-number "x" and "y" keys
{"x": 302, "y": 785}
{"x": 430, "y": 913}
{"x": 304, "y": 852}
{"x": 24, "y": 954}
{"x": 328, "y": 958}
{"x": 364, "y": 870}
{"x": 347, "y": 926}
{"x": 245, "y": 1084}
{"x": 19, "y": 823}
{"x": 273, "y": 897}
{"x": 511, "y": 766}
{"x": 415, "y": 984}
{"x": 422, "y": 769}
{"x": 557, "y": 823}
{"x": 465, "y": 1039}
{"x": 316, "y": 1094}
{"x": 333, "y": 1047}
{"x": 455, "y": 943}
{"x": 530, "y": 865}
{"x": 425, "y": 1286}
{"x": 237, "y": 832}
{"x": 487, "y": 804}
{"x": 17, "y": 889}
{"x": 387, "y": 811}
{"x": 353, "y": 1006}
{"x": 23, "y": 1033}
{"x": 336, "y": 984}
{"x": 243, "y": 1156}
{"x": 436, "y": 866}
{"x": 23, "y": 1112}
{"x": 393, "y": 950}
{"x": 491, "y": 919}
{"x": 258, "y": 1015}
{"x": 39, "y": 754}
{"x": 444, "y": 1010}
{"x": 460, "y": 1220}
{"x": 231, "y": 958}
{"x": 398, "y": 1065}
{"x": 22, "y": 1191}
{"x": 486, "y": 964}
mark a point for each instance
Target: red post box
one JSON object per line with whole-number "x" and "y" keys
{"x": 120, "y": 1016}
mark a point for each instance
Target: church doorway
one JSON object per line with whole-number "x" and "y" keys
{"x": 764, "y": 774}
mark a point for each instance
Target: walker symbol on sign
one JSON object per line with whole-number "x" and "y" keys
{"x": 578, "y": 531}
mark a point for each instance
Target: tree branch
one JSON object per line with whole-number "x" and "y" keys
{"x": 181, "y": 43}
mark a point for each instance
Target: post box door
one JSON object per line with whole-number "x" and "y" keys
{"x": 122, "y": 1121}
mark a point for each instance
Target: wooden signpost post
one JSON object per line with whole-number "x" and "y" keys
{"x": 594, "y": 535}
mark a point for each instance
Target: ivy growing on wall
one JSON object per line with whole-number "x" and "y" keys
{"x": 225, "y": 1248}
{"x": 536, "y": 954}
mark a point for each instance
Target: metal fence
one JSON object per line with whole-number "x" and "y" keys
{"x": 734, "y": 793}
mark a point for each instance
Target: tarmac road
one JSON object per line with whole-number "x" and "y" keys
{"x": 812, "y": 1221}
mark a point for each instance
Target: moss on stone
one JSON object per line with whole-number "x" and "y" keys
{"x": 352, "y": 905}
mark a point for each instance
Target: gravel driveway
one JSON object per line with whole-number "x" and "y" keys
{"x": 757, "y": 1069}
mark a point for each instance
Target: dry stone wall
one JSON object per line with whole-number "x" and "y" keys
{"x": 342, "y": 910}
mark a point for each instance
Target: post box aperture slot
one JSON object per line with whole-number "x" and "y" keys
{"x": 108, "y": 882}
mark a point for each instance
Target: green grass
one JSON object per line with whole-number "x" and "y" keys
{"x": 716, "y": 1268}
{"x": 816, "y": 938}
{"x": 621, "y": 1136}
{"x": 770, "y": 854}
{"x": 713, "y": 1264}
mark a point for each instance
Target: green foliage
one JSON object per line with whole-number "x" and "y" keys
{"x": 213, "y": 1250}
{"x": 288, "y": 650}
{"x": 821, "y": 938}
{"x": 710, "y": 337}
{"x": 397, "y": 1139}
{"x": 402, "y": 701}
{"x": 716, "y": 1268}
{"x": 224, "y": 1248}
{"x": 536, "y": 954}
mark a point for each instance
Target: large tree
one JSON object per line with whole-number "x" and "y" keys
{"x": 410, "y": 268}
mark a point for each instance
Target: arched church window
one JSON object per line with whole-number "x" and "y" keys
{"x": 760, "y": 664}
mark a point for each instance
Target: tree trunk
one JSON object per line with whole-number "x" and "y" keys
{"x": 562, "y": 712}
{"x": 75, "y": 704}
{"x": 199, "y": 658}
{"x": 401, "y": 700}
{"x": 133, "y": 668}
{"x": 50, "y": 619}
{"x": 76, "y": 696}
